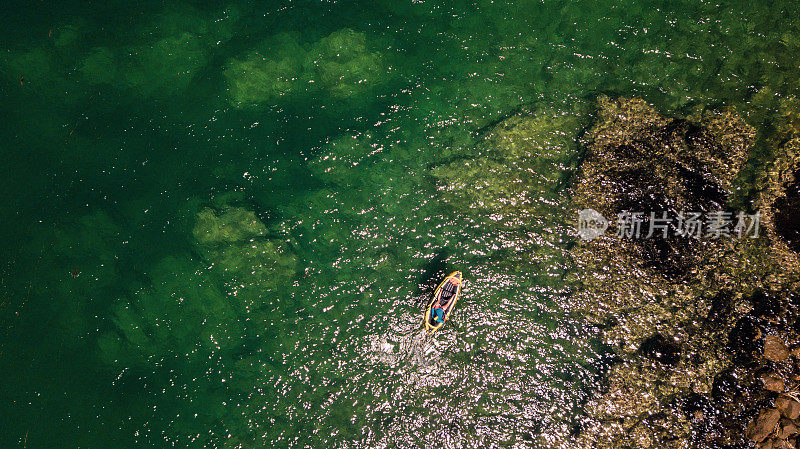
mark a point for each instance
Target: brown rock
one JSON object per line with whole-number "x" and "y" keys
{"x": 774, "y": 349}
{"x": 772, "y": 382}
{"x": 788, "y": 407}
{"x": 787, "y": 429}
{"x": 796, "y": 352}
{"x": 767, "y": 444}
{"x": 782, "y": 444}
{"x": 762, "y": 427}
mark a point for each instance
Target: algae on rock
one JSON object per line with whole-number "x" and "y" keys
{"x": 520, "y": 166}
{"x": 638, "y": 160}
{"x": 181, "y": 308}
{"x": 345, "y": 65}
{"x": 235, "y": 242}
{"x": 342, "y": 65}
{"x": 268, "y": 73}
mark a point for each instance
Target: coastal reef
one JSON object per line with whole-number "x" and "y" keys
{"x": 694, "y": 319}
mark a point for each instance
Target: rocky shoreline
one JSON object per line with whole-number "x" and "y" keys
{"x": 704, "y": 330}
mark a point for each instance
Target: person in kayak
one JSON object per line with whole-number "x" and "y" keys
{"x": 437, "y": 315}
{"x": 448, "y": 290}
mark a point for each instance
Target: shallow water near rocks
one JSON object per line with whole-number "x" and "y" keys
{"x": 221, "y": 221}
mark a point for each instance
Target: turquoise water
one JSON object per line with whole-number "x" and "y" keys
{"x": 220, "y": 220}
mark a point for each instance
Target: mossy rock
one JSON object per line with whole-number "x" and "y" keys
{"x": 344, "y": 65}
{"x": 232, "y": 225}
{"x": 272, "y": 71}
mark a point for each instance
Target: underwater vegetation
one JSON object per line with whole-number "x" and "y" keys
{"x": 190, "y": 302}
{"x": 342, "y": 65}
{"x": 167, "y": 55}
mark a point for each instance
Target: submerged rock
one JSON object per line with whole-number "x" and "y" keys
{"x": 743, "y": 340}
{"x": 178, "y": 308}
{"x": 266, "y": 75}
{"x": 232, "y": 225}
{"x": 786, "y": 208}
{"x": 787, "y": 213}
{"x": 343, "y": 65}
{"x": 518, "y": 165}
{"x": 714, "y": 297}
{"x": 780, "y": 201}
{"x": 236, "y": 243}
{"x": 774, "y": 349}
{"x": 763, "y": 425}
{"x": 788, "y": 406}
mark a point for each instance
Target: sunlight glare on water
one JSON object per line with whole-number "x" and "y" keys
{"x": 222, "y": 223}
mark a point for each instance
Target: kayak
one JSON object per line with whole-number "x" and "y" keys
{"x": 445, "y": 296}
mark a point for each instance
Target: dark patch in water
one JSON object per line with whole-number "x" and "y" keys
{"x": 725, "y": 386}
{"x": 787, "y": 214}
{"x": 744, "y": 340}
{"x": 767, "y": 305}
{"x": 661, "y": 349}
{"x": 707, "y": 195}
{"x": 721, "y": 308}
{"x": 433, "y": 273}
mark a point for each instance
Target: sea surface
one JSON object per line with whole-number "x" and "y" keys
{"x": 220, "y": 221}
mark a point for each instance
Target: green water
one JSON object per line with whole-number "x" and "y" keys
{"x": 219, "y": 220}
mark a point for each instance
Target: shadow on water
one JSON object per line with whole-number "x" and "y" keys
{"x": 435, "y": 270}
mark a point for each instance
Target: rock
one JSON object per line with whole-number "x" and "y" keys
{"x": 780, "y": 201}
{"x": 661, "y": 349}
{"x": 641, "y": 162}
{"x": 782, "y": 444}
{"x": 787, "y": 429}
{"x": 721, "y": 307}
{"x": 762, "y": 427}
{"x": 774, "y": 349}
{"x": 234, "y": 224}
{"x": 342, "y": 65}
{"x": 788, "y": 407}
{"x": 768, "y": 305}
{"x": 767, "y": 444}
{"x": 773, "y": 382}
{"x": 796, "y": 352}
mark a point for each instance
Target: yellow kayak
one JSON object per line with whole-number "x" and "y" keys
{"x": 444, "y": 297}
